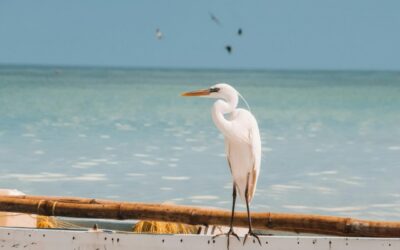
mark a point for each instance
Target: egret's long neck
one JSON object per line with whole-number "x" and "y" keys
{"x": 220, "y": 108}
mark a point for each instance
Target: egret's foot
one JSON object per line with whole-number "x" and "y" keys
{"x": 228, "y": 234}
{"x": 251, "y": 233}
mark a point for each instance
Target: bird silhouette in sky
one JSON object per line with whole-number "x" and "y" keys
{"x": 228, "y": 48}
{"x": 159, "y": 34}
{"x": 214, "y": 18}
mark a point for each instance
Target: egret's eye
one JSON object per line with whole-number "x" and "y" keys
{"x": 214, "y": 90}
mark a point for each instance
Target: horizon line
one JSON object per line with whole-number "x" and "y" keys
{"x": 126, "y": 67}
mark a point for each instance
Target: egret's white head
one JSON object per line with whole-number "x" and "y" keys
{"x": 218, "y": 91}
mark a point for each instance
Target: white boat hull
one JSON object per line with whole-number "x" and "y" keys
{"x": 43, "y": 239}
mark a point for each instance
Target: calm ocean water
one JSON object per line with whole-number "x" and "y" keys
{"x": 331, "y": 140}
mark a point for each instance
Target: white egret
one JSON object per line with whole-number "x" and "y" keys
{"x": 242, "y": 144}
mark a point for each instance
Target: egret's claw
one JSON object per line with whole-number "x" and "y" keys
{"x": 251, "y": 234}
{"x": 228, "y": 234}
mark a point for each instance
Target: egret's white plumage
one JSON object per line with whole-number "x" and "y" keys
{"x": 242, "y": 138}
{"x": 242, "y": 143}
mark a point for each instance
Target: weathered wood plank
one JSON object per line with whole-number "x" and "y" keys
{"x": 92, "y": 208}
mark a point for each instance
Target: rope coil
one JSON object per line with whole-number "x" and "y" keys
{"x": 38, "y": 206}
{"x": 53, "y": 208}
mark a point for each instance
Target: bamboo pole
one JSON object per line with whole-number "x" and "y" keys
{"x": 105, "y": 209}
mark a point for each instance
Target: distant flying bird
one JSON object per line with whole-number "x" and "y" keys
{"x": 228, "y": 49}
{"x": 242, "y": 145}
{"x": 159, "y": 34}
{"x": 239, "y": 32}
{"x": 214, "y": 18}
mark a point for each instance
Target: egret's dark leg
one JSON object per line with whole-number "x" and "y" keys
{"x": 246, "y": 193}
{"x": 231, "y": 232}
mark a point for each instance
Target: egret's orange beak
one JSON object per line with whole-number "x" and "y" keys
{"x": 200, "y": 92}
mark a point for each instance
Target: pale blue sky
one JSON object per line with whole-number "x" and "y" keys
{"x": 279, "y": 34}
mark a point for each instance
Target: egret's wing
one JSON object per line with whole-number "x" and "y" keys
{"x": 255, "y": 146}
{"x": 227, "y": 153}
{"x": 255, "y": 149}
{"x": 245, "y": 130}
{"x": 253, "y": 140}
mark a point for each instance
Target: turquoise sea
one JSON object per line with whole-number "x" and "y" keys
{"x": 331, "y": 139}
